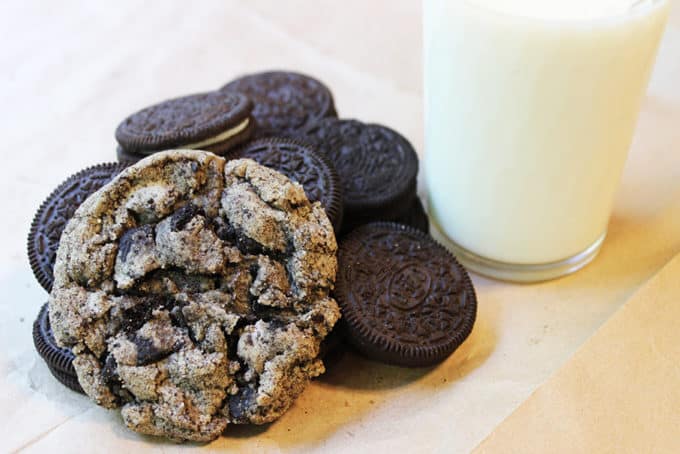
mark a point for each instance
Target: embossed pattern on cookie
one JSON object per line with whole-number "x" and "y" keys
{"x": 376, "y": 165}
{"x": 286, "y": 103}
{"x": 404, "y": 298}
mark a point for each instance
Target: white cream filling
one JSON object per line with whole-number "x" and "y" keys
{"x": 221, "y": 137}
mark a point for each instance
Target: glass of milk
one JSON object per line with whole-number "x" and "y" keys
{"x": 530, "y": 108}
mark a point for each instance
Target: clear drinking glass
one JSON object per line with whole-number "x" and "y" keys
{"x": 530, "y": 109}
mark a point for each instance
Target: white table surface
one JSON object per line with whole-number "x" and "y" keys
{"x": 70, "y": 71}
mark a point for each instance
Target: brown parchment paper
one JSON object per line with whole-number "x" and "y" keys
{"x": 619, "y": 393}
{"x": 72, "y": 70}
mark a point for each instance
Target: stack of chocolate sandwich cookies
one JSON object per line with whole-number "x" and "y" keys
{"x": 43, "y": 241}
{"x": 193, "y": 291}
{"x": 55, "y": 212}
{"x": 59, "y": 360}
{"x": 378, "y": 169}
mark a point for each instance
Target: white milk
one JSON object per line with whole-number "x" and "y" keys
{"x": 530, "y": 108}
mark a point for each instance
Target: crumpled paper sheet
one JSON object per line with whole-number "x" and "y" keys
{"x": 71, "y": 70}
{"x": 619, "y": 393}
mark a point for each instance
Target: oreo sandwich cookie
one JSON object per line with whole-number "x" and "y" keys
{"x": 286, "y": 103}
{"x": 55, "y": 212}
{"x": 70, "y": 381}
{"x": 214, "y": 121}
{"x": 333, "y": 349}
{"x": 59, "y": 360}
{"x": 405, "y": 300}
{"x": 127, "y": 157}
{"x": 377, "y": 167}
{"x": 415, "y": 216}
{"x": 302, "y": 164}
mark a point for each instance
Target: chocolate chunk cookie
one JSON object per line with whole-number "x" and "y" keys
{"x": 52, "y": 216}
{"x": 194, "y": 292}
{"x": 214, "y": 121}
{"x": 286, "y": 103}
{"x": 300, "y": 163}
{"x": 404, "y": 298}
{"x": 59, "y": 360}
{"x": 376, "y": 165}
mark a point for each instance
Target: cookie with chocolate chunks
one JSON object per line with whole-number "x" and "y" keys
{"x": 299, "y": 162}
{"x": 194, "y": 293}
{"x": 214, "y": 121}
{"x": 59, "y": 360}
{"x": 286, "y": 103}
{"x": 377, "y": 167}
{"x": 52, "y": 216}
{"x": 405, "y": 299}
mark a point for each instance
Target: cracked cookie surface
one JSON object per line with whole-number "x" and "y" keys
{"x": 195, "y": 293}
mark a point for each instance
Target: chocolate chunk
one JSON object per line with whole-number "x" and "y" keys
{"x": 135, "y": 238}
{"x": 240, "y": 404}
{"x": 182, "y": 216}
{"x": 148, "y": 352}
{"x": 113, "y": 381}
{"x": 133, "y": 318}
{"x": 109, "y": 372}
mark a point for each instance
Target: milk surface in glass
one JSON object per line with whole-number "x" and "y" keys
{"x": 530, "y": 108}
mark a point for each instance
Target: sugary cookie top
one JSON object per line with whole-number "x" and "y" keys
{"x": 195, "y": 292}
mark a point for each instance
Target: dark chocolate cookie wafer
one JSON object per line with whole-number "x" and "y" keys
{"x": 214, "y": 121}
{"x": 333, "y": 350}
{"x": 54, "y": 213}
{"x": 128, "y": 157}
{"x": 67, "y": 380}
{"x": 59, "y": 360}
{"x": 300, "y": 163}
{"x": 405, "y": 299}
{"x": 377, "y": 168}
{"x": 415, "y": 216}
{"x": 286, "y": 103}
